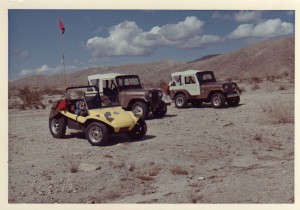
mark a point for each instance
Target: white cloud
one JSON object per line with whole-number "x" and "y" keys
{"x": 247, "y": 16}
{"x": 127, "y": 38}
{"x": 46, "y": 70}
{"x": 269, "y": 28}
{"x": 190, "y": 27}
{"x": 26, "y": 73}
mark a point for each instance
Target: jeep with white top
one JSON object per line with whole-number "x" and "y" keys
{"x": 198, "y": 86}
{"x": 129, "y": 92}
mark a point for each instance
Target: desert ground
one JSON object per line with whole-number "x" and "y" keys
{"x": 195, "y": 155}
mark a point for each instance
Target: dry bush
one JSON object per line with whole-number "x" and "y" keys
{"x": 270, "y": 78}
{"x": 243, "y": 89}
{"x": 155, "y": 171}
{"x": 229, "y": 79}
{"x": 145, "y": 178}
{"x": 179, "y": 171}
{"x": 279, "y": 112}
{"x": 196, "y": 198}
{"x": 255, "y": 80}
{"x": 255, "y": 87}
{"x": 282, "y": 87}
{"x": 74, "y": 165}
{"x": 31, "y": 98}
{"x": 53, "y": 91}
{"x": 258, "y": 137}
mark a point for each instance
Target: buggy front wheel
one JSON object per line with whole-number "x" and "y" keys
{"x": 96, "y": 134}
{"x": 139, "y": 130}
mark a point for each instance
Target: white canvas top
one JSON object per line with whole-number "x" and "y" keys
{"x": 187, "y": 72}
{"x": 105, "y": 76}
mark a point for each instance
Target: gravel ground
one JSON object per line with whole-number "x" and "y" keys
{"x": 194, "y": 155}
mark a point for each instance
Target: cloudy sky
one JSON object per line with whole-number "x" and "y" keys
{"x": 116, "y": 37}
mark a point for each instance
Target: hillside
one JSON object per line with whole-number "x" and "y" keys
{"x": 272, "y": 57}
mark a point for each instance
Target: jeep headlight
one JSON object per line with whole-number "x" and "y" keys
{"x": 150, "y": 94}
{"x": 225, "y": 87}
{"x": 107, "y": 115}
{"x": 233, "y": 86}
{"x": 159, "y": 94}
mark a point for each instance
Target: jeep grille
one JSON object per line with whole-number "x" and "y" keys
{"x": 155, "y": 97}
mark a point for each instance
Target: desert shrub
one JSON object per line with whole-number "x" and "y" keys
{"x": 258, "y": 137}
{"x": 145, "y": 178}
{"x": 271, "y": 78}
{"x": 179, "y": 171}
{"x": 255, "y": 87}
{"x": 53, "y": 91}
{"x": 255, "y": 80}
{"x": 196, "y": 198}
{"x": 286, "y": 73}
{"x": 30, "y": 98}
{"x": 14, "y": 105}
{"x": 74, "y": 165}
{"x": 279, "y": 112}
{"x": 282, "y": 87}
{"x": 243, "y": 89}
{"x": 229, "y": 79}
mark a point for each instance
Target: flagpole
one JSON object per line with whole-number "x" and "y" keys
{"x": 62, "y": 28}
{"x": 63, "y": 59}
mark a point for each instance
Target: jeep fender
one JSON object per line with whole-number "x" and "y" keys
{"x": 131, "y": 102}
{"x": 175, "y": 93}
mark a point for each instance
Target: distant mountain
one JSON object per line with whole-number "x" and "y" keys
{"x": 272, "y": 57}
{"x": 204, "y": 58}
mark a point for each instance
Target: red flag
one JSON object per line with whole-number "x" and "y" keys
{"x": 61, "y": 25}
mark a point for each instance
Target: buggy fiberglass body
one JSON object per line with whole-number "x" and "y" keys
{"x": 100, "y": 118}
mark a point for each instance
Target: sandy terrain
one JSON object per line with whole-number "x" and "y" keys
{"x": 194, "y": 155}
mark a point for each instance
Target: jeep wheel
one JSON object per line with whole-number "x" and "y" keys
{"x": 234, "y": 101}
{"x": 217, "y": 100}
{"x": 161, "y": 111}
{"x": 57, "y": 126}
{"x": 139, "y": 130}
{"x": 196, "y": 103}
{"x": 142, "y": 107}
{"x": 96, "y": 134}
{"x": 180, "y": 101}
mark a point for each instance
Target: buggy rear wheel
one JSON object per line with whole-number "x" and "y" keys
{"x": 57, "y": 126}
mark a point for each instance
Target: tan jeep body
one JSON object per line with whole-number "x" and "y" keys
{"x": 128, "y": 91}
{"x": 196, "y": 86}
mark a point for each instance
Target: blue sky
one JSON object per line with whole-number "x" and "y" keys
{"x": 116, "y": 37}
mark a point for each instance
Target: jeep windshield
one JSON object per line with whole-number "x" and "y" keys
{"x": 128, "y": 82}
{"x": 206, "y": 76}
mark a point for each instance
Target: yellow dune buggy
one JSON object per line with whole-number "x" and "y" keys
{"x": 99, "y": 118}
